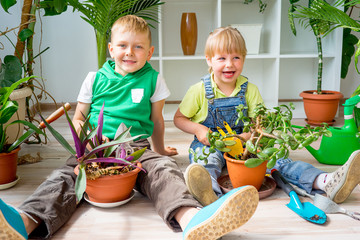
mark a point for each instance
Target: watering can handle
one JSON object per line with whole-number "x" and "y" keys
{"x": 281, "y": 181}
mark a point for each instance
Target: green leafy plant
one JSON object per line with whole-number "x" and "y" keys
{"x": 272, "y": 136}
{"x": 104, "y": 158}
{"x": 101, "y": 14}
{"x": 321, "y": 11}
{"x": 318, "y": 27}
{"x": 262, "y": 4}
{"x": 8, "y": 109}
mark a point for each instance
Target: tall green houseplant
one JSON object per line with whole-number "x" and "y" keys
{"x": 318, "y": 27}
{"x": 101, "y": 14}
{"x": 320, "y": 10}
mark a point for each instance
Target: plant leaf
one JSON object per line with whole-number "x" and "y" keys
{"x": 253, "y": 162}
{"x": 59, "y": 137}
{"x": 80, "y": 183}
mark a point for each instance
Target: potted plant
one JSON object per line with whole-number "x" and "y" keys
{"x": 9, "y": 151}
{"x": 105, "y": 163}
{"x": 20, "y": 64}
{"x": 10, "y": 72}
{"x": 320, "y": 105}
{"x": 272, "y": 138}
{"x": 102, "y": 14}
{"x": 321, "y": 10}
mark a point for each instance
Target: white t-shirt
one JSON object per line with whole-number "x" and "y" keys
{"x": 85, "y": 94}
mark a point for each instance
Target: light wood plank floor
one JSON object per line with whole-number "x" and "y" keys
{"x": 138, "y": 220}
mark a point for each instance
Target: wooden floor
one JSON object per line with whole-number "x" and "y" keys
{"x": 138, "y": 220}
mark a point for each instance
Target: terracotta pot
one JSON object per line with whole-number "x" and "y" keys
{"x": 8, "y": 166}
{"x": 107, "y": 189}
{"x": 240, "y": 175}
{"x": 321, "y": 108}
{"x": 188, "y": 33}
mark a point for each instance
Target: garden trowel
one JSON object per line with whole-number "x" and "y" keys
{"x": 305, "y": 210}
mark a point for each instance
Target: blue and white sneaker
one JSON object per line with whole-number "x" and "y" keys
{"x": 224, "y": 215}
{"x": 11, "y": 224}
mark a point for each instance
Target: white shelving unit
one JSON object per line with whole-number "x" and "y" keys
{"x": 285, "y": 66}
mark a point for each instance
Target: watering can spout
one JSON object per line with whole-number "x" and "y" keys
{"x": 313, "y": 151}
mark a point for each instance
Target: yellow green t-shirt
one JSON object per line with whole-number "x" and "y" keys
{"x": 195, "y": 105}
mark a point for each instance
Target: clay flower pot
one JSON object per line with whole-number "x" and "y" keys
{"x": 240, "y": 175}
{"x": 8, "y": 166}
{"x": 108, "y": 189}
{"x": 321, "y": 108}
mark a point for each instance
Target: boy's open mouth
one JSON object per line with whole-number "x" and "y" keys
{"x": 229, "y": 74}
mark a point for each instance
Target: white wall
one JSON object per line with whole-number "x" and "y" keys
{"x": 72, "y": 53}
{"x": 71, "y": 56}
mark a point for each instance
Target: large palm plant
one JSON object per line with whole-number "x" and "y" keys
{"x": 323, "y": 18}
{"x": 101, "y": 14}
{"x": 321, "y": 10}
{"x": 318, "y": 27}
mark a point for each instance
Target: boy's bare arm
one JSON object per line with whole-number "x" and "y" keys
{"x": 78, "y": 119}
{"x": 159, "y": 130}
{"x": 185, "y": 124}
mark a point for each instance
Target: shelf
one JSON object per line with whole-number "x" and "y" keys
{"x": 285, "y": 66}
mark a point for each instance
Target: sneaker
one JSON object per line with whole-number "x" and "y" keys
{"x": 199, "y": 183}
{"x": 11, "y": 225}
{"x": 224, "y": 215}
{"x": 344, "y": 179}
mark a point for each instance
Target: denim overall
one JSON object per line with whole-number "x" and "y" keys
{"x": 299, "y": 173}
{"x": 219, "y": 110}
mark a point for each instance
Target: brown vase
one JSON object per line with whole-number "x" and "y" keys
{"x": 321, "y": 108}
{"x": 240, "y": 175}
{"x": 188, "y": 33}
{"x": 8, "y": 166}
{"x": 115, "y": 188}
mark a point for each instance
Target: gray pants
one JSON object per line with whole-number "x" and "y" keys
{"x": 54, "y": 200}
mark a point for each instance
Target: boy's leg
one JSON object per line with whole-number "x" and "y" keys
{"x": 224, "y": 215}
{"x": 164, "y": 184}
{"x": 343, "y": 181}
{"x": 299, "y": 173}
{"x": 216, "y": 163}
{"x": 54, "y": 201}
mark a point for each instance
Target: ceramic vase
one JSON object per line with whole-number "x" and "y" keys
{"x": 188, "y": 33}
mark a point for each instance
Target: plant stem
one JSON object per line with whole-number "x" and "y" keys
{"x": 101, "y": 40}
{"x": 320, "y": 65}
{"x": 25, "y": 17}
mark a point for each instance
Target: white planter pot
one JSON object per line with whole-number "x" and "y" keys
{"x": 251, "y": 34}
{"x": 16, "y": 130}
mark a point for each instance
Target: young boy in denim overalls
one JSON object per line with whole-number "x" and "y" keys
{"x": 212, "y": 101}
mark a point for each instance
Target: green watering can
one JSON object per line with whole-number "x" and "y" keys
{"x": 337, "y": 149}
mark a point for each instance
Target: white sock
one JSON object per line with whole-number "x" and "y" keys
{"x": 321, "y": 181}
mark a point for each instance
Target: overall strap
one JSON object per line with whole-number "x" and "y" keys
{"x": 243, "y": 89}
{"x": 209, "y": 93}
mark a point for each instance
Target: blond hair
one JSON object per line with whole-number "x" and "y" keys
{"x": 132, "y": 23}
{"x": 225, "y": 40}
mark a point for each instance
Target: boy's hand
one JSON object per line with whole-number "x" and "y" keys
{"x": 201, "y": 134}
{"x": 170, "y": 151}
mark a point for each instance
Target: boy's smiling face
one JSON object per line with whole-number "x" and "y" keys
{"x": 130, "y": 50}
{"x": 227, "y": 67}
